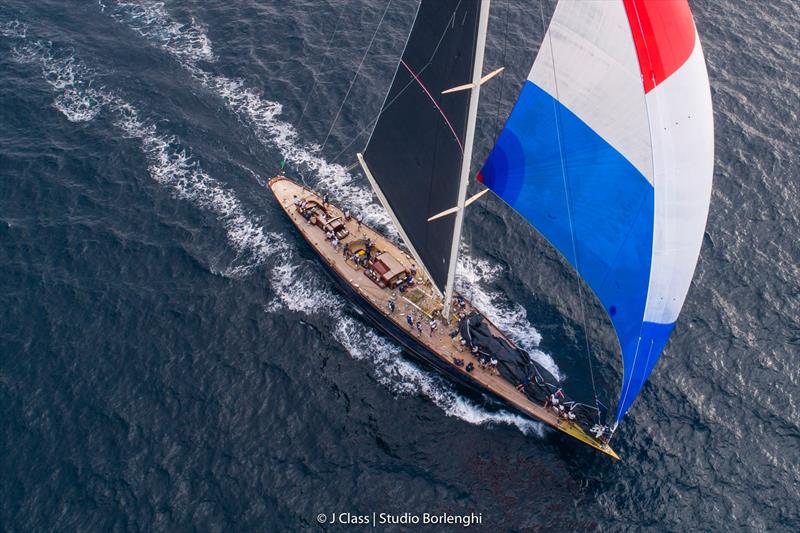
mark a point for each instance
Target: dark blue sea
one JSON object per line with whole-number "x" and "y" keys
{"x": 173, "y": 358}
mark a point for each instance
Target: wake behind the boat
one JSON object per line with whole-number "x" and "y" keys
{"x": 194, "y": 49}
{"x": 301, "y": 289}
{"x": 172, "y": 165}
{"x": 188, "y": 44}
{"x": 194, "y": 53}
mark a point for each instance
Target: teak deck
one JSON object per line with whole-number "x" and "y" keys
{"x": 440, "y": 342}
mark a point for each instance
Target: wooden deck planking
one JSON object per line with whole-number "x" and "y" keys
{"x": 440, "y": 343}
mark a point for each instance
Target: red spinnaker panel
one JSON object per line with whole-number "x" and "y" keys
{"x": 664, "y": 35}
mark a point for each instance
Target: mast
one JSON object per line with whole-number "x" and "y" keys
{"x": 466, "y": 163}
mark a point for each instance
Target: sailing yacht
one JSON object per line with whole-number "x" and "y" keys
{"x": 608, "y": 153}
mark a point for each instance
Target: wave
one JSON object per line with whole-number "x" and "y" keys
{"x": 403, "y": 377}
{"x": 76, "y": 98}
{"x": 14, "y": 29}
{"x": 301, "y": 292}
{"x": 187, "y": 41}
{"x": 172, "y": 165}
{"x": 296, "y": 289}
{"x": 152, "y": 21}
{"x": 79, "y": 99}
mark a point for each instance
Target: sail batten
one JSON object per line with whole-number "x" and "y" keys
{"x": 416, "y": 149}
{"x": 608, "y": 153}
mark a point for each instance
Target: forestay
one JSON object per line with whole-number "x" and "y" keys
{"x": 414, "y": 155}
{"x": 609, "y": 154}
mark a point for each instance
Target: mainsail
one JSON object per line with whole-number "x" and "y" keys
{"x": 414, "y": 156}
{"x": 609, "y": 154}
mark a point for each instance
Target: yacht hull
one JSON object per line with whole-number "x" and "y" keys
{"x": 368, "y": 300}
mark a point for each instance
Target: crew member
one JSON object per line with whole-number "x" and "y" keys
{"x": 554, "y": 402}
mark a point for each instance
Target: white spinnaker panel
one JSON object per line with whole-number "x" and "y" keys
{"x": 683, "y": 152}
{"x": 596, "y": 74}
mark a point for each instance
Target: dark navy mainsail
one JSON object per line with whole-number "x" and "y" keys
{"x": 415, "y": 152}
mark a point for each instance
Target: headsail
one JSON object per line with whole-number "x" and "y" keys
{"x": 609, "y": 154}
{"x": 415, "y": 152}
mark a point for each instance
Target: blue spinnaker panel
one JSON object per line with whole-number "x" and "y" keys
{"x": 609, "y": 153}
{"x": 591, "y": 203}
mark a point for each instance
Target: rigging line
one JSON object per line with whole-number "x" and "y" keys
{"x": 503, "y": 81}
{"x": 387, "y": 103}
{"x": 451, "y": 22}
{"x": 375, "y": 119}
{"x": 321, "y": 67}
{"x": 385, "y": 106}
{"x": 569, "y": 211}
{"x": 355, "y": 76}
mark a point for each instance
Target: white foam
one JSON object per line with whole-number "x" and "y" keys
{"x": 185, "y": 40}
{"x": 474, "y": 277}
{"x": 173, "y": 165}
{"x": 304, "y": 293}
{"x": 13, "y": 28}
{"x": 153, "y": 22}
{"x": 169, "y": 163}
{"x": 75, "y": 96}
{"x": 403, "y": 377}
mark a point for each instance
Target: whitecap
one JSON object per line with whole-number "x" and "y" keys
{"x": 185, "y": 40}
{"x": 14, "y": 28}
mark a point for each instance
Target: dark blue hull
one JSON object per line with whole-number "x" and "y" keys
{"x": 414, "y": 345}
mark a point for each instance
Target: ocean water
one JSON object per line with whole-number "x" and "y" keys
{"x": 173, "y": 358}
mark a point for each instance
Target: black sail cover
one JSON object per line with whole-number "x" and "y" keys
{"x": 416, "y": 148}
